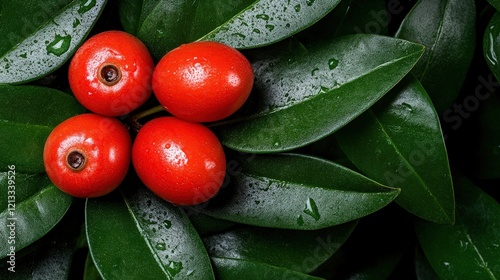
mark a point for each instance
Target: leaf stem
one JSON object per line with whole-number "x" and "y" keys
{"x": 134, "y": 120}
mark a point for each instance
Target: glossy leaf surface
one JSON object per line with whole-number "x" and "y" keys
{"x": 448, "y": 33}
{"x": 40, "y": 36}
{"x": 491, "y": 44}
{"x": 495, "y": 4}
{"x": 296, "y": 192}
{"x": 302, "y": 94}
{"x": 399, "y": 143}
{"x": 166, "y": 24}
{"x": 33, "y": 217}
{"x": 133, "y": 225}
{"x": 27, "y": 116}
{"x": 24, "y": 185}
{"x": 301, "y": 251}
{"x": 229, "y": 269}
{"x": 470, "y": 248}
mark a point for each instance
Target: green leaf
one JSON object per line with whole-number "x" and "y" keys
{"x": 205, "y": 224}
{"x": 52, "y": 259}
{"x": 399, "y": 143}
{"x": 40, "y": 36}
{"x": 470, "y": 248}
{"x": 26, "y": 221}
{"x": 491, "y": 44}
{"x": 24, "y": 185}
{"x": 423, "y": 268}
{"x": 302, "y": 251}
{"x": 230, "y": 269}
{"x": 90, "y": 272}
{"x": 296, "y": 192}
{"x": 448, "y": 32}
{"x": 267, "y": 21}
{"x": 27, "y": 116}
{"x": 495, "y": 4}
{"x": 133, "y": 225}
{"x": 350, "y": 17}
{"x": 165, "y": 24}
{"x": 306, "y": 93}
{"x": 487, "y": 161}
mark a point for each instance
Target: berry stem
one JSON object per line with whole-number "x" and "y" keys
{"x": 134, "y": 120}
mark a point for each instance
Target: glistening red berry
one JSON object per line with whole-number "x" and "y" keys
{"x": 180, "y": 161}
{"x": 87, "y": 155}
{"x": 111, "y": 72}
{"x": 203, "y": 81}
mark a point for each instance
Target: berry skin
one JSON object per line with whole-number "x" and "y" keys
{"x": 87, "y": 155}
{"x": 203, "y": 81}
{"x": 110, "y": 74}
{"x": 180, "y": 161}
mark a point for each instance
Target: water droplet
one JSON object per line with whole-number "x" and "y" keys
{"x": 167, "y": 223}
{"x": 407, "y": 106}
{"x": 76, "y": 22}
{"x": 174, "y": 268}
{"x": 311, "y": 209}
{"x": 287, "y": 25}
{"x": 300, "y": 220}
{"x": 161, "y": 246}
{"x": 262, "y": 16}
{"x": 86, "y": 5}
{"x": 239, "y": 35}
{"x": 270, "y": 27}
{"x": 60, "y": 45}
{"x": 313, "y": 72}
{"x": 277, "y": 143}
{"x": 255, "y": 30}
{"x": 309, "y": 2}
{"x": 23, "y": 55}
{"x": 332, "y": 63}
{"x": 257, "y": 202}
{"x": 297, "y": 8}
{"x": 491, "y": 55}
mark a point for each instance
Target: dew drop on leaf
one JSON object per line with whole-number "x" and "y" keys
{"x": 262, "y": 16}
{"x": 60, "y": 45}
{"x": 333, "y": 63}
{"x": 311, "y": 209}
{"x": 310, "y": 2}
{"x": 300, "y": 220}
{"x": 76, "y": 22}
{"x": 407, "y": 106}
{"x": 174, "y": 268}
{"x": 86, "y": 5}
{"x": 161, "y": 246}
{"x": 297, "y": 8}
{"x": 270, "y": 27}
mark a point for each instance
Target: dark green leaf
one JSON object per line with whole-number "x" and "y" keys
{"x": 302, "y": 251}
{"x": 488, "y": 148}
{"x": 90, "y": 271}
{"x": 27, "y": 116}
{"x": 24, "y": 185}
{"x": 230, "y": 269}
{"x": 470, "y": 248}
{"x": 296, "y": 192}
{"x": 447, "y": 29}
{"x": 495, "y": 3}
{"x": 132, "y": 225}
{"x": 28, "y": 220}
{"x": 399, "y": 143}
{"x": 423, "y": 268}
{"x": 205, "y": 224}
{"x": 40, "y": 36}
{"x": 303, "y": 95}
{"x": 491, "y": 44}
{"x": 267, "y": 21}
{"x": 166, "y": 24}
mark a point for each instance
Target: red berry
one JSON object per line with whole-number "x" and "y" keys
{"x": 180, "y": 161}
{"x": 87, "y": 155}
{"x": 203, "y": 81}
{"x": 111, "y": 72}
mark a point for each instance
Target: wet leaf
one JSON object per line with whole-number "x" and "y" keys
{"x": 495, "y": 4}
{"x": 302, "y": 251}
{"x": 40, "y": 36}
{"x": 133, "y": 225}
{"x": 491, "y": 44}
{"x": 166, "y": 24}
{"x": 229, "y": 269}
{"x": 30, "y": 219}
{"x": 470, "y": 248}
{"x": 448, "y": 33}
{"x": 302, "y": 94}
{"x": 27, "y": 116}
{"x": 296, "y": 192}
{"x": 399, "y": 143}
